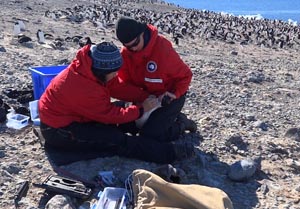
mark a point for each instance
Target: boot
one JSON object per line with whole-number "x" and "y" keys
{"x": 188, "y": 124}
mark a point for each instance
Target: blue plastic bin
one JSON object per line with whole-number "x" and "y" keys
{"x": 41, "y": 77}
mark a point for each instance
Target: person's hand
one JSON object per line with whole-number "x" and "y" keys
{"x": 150, "y": 103}
{"x": 169, "y": 94}
{"x": 166, "y": 98}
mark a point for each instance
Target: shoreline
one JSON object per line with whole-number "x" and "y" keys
{"x": 289, "y": 16}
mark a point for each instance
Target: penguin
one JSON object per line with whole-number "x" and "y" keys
{"x": 23, "y": 39}
{"x": 176, "y": 39}
{"x": 22, "y": 25}
{"x": 57, "y": 43}
{"x": 85, "y": 41}
{"x": 68, "y": 39}
{"x": 17, "y": 29}
{"x": 76, "y": 39}
{"x": 48, "y": 36}
{"x": 40, "y": 36}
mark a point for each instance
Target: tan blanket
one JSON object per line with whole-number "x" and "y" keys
{"x": 152, "y": 192}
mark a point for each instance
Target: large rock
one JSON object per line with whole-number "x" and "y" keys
{"x": 242, "y": 170}
{"x": 60, "y": 201}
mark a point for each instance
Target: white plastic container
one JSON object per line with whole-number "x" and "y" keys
{"x": 112, "y": 198}
{"x": 34, "y": 112}
{"x": 16, "y": 121}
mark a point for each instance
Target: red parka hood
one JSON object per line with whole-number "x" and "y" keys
{"x": 83, "y": 62}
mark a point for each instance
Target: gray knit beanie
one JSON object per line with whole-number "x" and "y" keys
{"x": 106, "y": 57}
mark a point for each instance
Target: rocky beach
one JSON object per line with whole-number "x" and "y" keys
{"x": 244, "y": 97}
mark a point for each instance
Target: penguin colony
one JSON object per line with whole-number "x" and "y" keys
{"x": 184, "y": 23}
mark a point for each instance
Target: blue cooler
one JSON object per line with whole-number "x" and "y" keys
{"x": 42, "y": 76}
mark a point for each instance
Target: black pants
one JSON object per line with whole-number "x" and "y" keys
{"x": 109, "y": 139}
{"x": 162, "y": 124}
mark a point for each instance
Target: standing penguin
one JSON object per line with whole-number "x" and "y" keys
{"x": 17, "y": 29}
{"x": 40, "y": 36}
{"x": 22, "y": 25}
{"x": 176, "y": 39}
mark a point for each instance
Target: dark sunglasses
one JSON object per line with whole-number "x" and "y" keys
{"x": 134, "y": 44}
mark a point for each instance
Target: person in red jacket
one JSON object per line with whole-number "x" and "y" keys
{"x": 151, "y": 63}
{"x": 77, "y": 114}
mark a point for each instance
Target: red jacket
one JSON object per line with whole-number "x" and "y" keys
{"x": 157, "y": 68}
{"x": 75, "y": 95}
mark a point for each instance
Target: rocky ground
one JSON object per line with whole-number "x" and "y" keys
{"x": 244, "y": 98}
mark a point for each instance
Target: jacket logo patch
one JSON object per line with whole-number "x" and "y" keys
{"x": 151, "y": 66}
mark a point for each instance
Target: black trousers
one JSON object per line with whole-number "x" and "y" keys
{"x": 162, "y": 125}
{"x": 105, "y": 138}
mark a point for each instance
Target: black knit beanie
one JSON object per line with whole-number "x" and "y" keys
{"x": 128, "y": 29}
{"x": 106, "y": 57}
